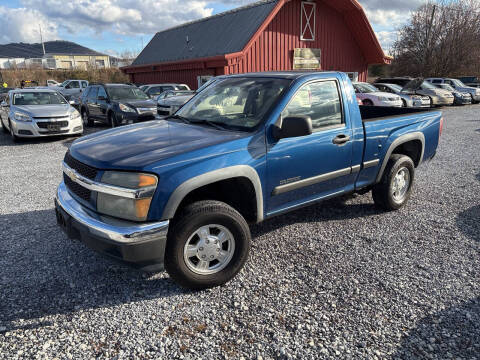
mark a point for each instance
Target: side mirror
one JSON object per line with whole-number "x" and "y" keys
{"x": 293, "y": 126}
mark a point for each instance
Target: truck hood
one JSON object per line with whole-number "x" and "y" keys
{"x": 136, "y": 146}
{"x": 45, "y": 110}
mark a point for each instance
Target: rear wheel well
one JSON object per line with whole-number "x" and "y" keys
{"x": 413, "y": 149}
{"x": 237, "y": 192}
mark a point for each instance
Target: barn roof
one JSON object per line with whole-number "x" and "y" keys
{"x": 220, "y": 34}
{"x": 58, "y": 47}
{"x": 232, "y": 31}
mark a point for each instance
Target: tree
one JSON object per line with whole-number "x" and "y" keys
{"x": 441, "y": 39}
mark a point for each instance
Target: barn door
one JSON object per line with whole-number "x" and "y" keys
{"x": 307, "y": 21}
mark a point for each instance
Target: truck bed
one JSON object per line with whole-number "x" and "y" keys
{"x": 383, "y": 125}
{"x": 373, "y": 113}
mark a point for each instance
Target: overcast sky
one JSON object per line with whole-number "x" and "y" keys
{"x": 113, "y": 26}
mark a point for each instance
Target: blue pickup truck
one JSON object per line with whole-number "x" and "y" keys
{"x": 179, "y": 193}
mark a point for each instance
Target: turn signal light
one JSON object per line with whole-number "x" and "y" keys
{"x": 146, "y": 180}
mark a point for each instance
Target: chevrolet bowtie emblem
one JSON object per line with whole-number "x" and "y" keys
{"x": 72, "y": 175}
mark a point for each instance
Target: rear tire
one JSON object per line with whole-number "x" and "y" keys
{"x": 193, "y": 237}
{"x": 395, "y": 188}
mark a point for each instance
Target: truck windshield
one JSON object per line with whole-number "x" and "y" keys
{"x": 126, "y": 93}
{"x": 38, "y": 98}
{"x": 64, "y": 83}
{"x": 238, "y": 103}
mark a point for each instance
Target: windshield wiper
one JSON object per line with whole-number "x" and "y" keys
{"x": 208, "y": 122}
{"x": 178, "y": 117}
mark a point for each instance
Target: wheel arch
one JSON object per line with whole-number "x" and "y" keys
{"x": 229, "y": 174}
{"x": 412, "y": 145}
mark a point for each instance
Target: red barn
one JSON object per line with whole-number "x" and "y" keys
{"x": 264, "y": 36}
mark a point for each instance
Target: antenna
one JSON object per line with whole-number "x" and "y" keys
{"x": 41, "y": 38}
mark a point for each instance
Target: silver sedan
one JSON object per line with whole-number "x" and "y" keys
{"x": 30, "y": 113}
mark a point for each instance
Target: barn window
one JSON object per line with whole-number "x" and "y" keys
{"x": 307, "y": 21}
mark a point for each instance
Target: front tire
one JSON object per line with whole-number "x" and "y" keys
{"x": 4, "y": 129}
{"x": 207, "y": 245}
{"x": 14, "y": 137}
{"x": 395, "y": 188}
{"x": 86, "y": 119}
{"x": 111, "y": 120}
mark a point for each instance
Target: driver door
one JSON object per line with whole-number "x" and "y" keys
{"x": 303, "y": 169}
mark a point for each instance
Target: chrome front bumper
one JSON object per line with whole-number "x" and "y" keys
{"x": 140, "y": 244}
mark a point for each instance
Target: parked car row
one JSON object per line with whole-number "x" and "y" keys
{"x": 419, "y": 92}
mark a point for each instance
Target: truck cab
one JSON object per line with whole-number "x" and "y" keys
{"x": 180, "y": 193}
{"x": 71, "y": 87}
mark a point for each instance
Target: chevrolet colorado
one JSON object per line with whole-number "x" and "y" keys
{"x": 179, "y": 193}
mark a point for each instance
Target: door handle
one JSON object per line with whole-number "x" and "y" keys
{"x": 341, "y": 139}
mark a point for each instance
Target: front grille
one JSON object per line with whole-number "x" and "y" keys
{"x": 49, "y": 117}
{"x": 78, "y": 190}
{"x": 81, "y": 168}
{"x": 146, "y": 117}
{"x": 147, "y": 110}
{"x": 47, "y": 124}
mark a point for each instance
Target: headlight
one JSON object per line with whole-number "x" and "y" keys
{"x": 126, "y": 108}
{"x": 127, "y": 208}
{"x": 22, "y": 117}
{"x": 75, "y": 115}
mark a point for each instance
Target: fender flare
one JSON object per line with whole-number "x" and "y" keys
{"x": 397, "y": 142}
{"x": 211, "y": 177}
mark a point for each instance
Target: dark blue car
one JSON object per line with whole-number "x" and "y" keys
{"x": 179, "y": 193}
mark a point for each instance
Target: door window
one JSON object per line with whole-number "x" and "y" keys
{"x": 85, "y": 93}
{"x": 101, "y": 92}
{"x": 320, "y": 101}
{"x": 92, "y": 94}
{"x": 73, "y": 85}
{"x": 84, "y": 84}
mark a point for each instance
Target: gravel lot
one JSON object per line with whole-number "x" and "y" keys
{"x": 339, "y": 279}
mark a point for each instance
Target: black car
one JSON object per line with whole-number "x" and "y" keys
{"x": 3, "y": 92}
{"x": 116, "y": 104}
{"x": 472, "y": 81}
{"x": 401, "y": 81}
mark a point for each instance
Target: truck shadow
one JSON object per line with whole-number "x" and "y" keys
{"x": 453, "y": 331}
{"x": 45, "y": 273}
{"x": 330, "y": 210}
